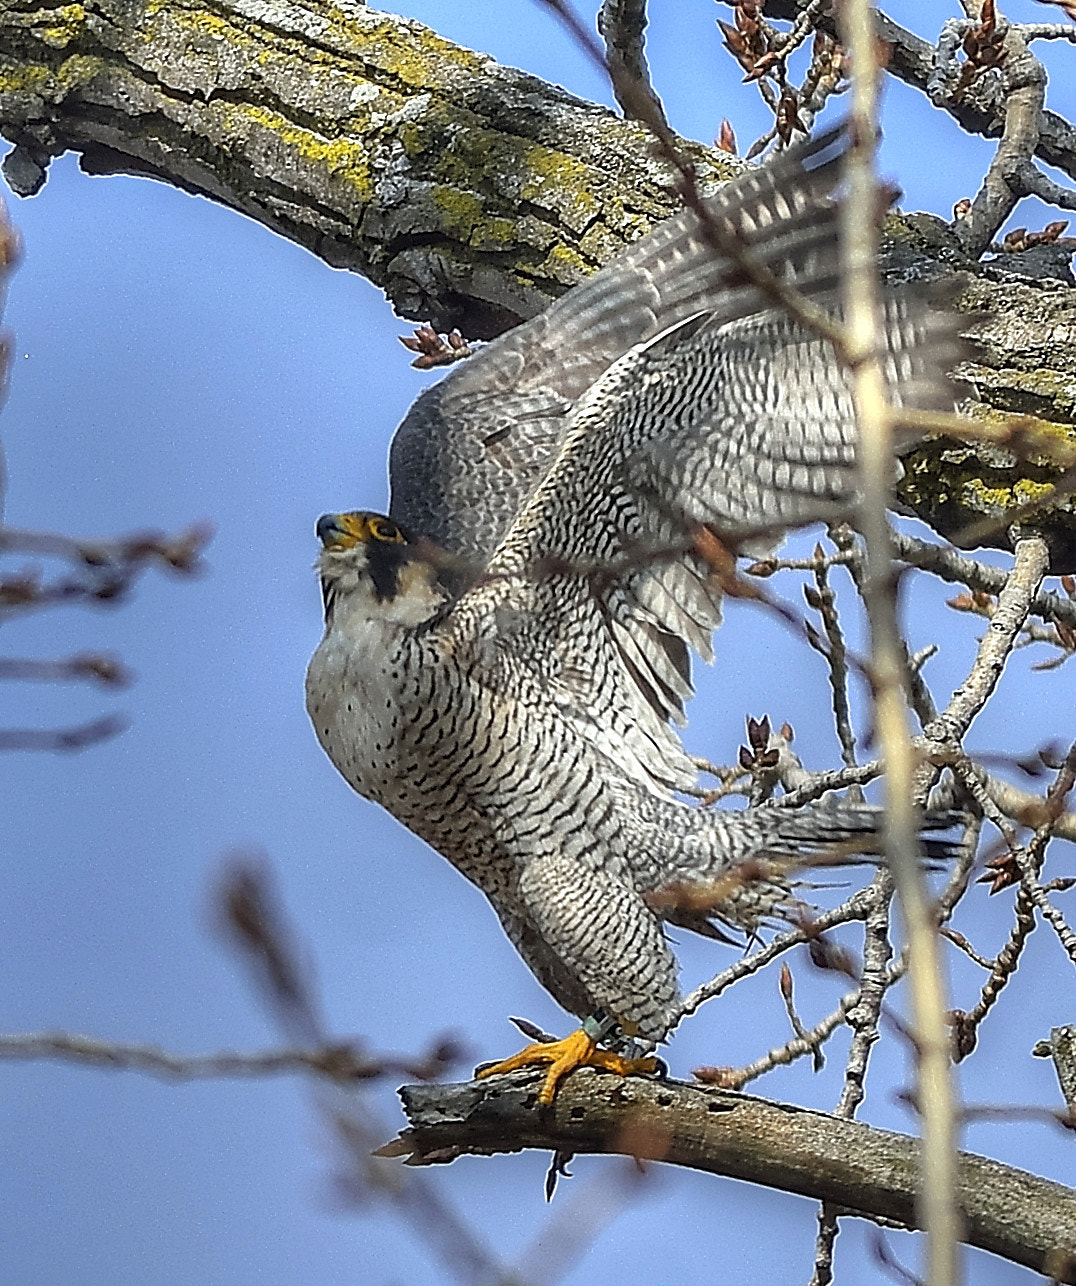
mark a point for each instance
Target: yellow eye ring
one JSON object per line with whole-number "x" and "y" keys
{"x": 380, "y": 529}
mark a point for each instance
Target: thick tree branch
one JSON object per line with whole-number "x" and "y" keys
{"x": 471, "y": 193}
{"x": 868, "y": 1172}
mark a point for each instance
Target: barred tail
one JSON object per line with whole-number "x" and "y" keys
{"x": 739, "y": 868}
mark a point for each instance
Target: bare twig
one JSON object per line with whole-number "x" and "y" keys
{"x": 622, "y": 24}
{"x": 1013, "y": 605}
{"x": 980, "y": 111}
{"x": 77, "y": 737}
{"x": 857, "y": 907}
{"x": 958, "y": 940}
{"x": 1027, "y": 809}
{"x": 735, "y": 1078}
{"x": 1011, "y": 173}
{"x": 876, "y": 979}
{"x": 340, "y": 1062}
{"x": 104, "y": 571}
{"x": 788, "y": 996}
{"x": 822, "y": 782}
{"x": 888, "y": 674}
{"x": 958, "y": 569}
{"x": 824, "y": 1244}
{"x": 823, "y": 600}
{"x": 98, "y": 666}
{"x": 1061, "y": 1047}
{"x": 257, "y": 927}
{"x": 966, "y": 1023}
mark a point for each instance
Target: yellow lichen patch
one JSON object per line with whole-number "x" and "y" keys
{"x": 559, "y": 182}
{"x": 996, "y": 499}
{"x": 461, "y": 211}
{"x": 464, "y": 153}
{"x": 495, "y": 234}
{"x": 343, "y": 158}
{"x": 80, "y": 69}
{"x": 58, "y": 34}
{"x": 407, "y": 50}
{"x": 21, "y": 79}
{"x": 1045, "y": 442}
{"x": 211, "y": 25}
{"x": 564, "y": 265}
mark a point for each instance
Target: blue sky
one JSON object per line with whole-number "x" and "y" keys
{"x": 176, "y": 362}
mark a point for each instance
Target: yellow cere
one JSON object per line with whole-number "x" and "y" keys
{"x": 343, "y": 531}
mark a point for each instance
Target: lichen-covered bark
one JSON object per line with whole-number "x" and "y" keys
{"x": 470, "y": 192}
{"x": 1024, "y": 328}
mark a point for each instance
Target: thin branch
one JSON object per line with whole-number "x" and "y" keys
{"x": 1036, "y": 894}
{"x": 1020, "y": 805}
{"x": 1029, "y": 180}
{"x": 622, "y": 24}
{"x": 257, "y": 927}
{"x": 1023, "y": 95}
{"x": 104, "y": 571}
{"x": 824, "y": 1244}
{"x": 857, "y": 907}
{"x": 863, "y": 1017}
{"x": 823, "y": 782}
{"x": 97, "y": 666}
{"x": 1061, "y": 1047}
{"x": 966, "y": 1023}
{"x": 877, "y": 977}
{"x": 807, "y": 1042}
{"x": 888, "y": 669}
{"x": 1013, "y": 605}
{"x": 957, "y": 568}
{"x": 62, "y": 740}
{"x": 341, "y": 1062}
{"x": 823, "y": 600}
{"x": 980, "y": 111}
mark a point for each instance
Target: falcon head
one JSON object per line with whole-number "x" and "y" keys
{"x": 372, "y": 566}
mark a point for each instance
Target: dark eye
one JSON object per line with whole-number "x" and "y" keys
{"x": 383, "y": 530}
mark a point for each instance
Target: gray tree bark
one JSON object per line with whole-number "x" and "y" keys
{"x": 470, "y": 192}
{"x": 866, "y": 1172}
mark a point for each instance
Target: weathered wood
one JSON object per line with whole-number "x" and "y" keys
{"x": 867, "y": 1172}
{"x": 470, "y": 192}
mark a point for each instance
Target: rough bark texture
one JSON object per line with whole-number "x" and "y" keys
{"x": 472, "y": 193}
{"x": 867, "y": 1172}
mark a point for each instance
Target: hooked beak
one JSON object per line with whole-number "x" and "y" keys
{"x": 336, "y": 531}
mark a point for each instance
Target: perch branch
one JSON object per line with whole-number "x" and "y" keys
{"x": 870, "y": 1173}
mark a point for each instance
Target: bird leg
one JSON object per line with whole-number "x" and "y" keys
{"x": 580, "y": 1049}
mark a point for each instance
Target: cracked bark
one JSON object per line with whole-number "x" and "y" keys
{"x": 868, "y": 1172}
{"x": 470, "y": 192}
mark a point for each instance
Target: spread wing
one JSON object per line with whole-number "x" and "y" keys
{"x": 472, "y": 449}
{"x": 744, "y": 424}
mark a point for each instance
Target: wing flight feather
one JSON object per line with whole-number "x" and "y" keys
{"x": 474, "y": 447}
{"x": 740, "y": 420}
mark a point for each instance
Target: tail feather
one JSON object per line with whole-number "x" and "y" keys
{"x": 750, "y": 880}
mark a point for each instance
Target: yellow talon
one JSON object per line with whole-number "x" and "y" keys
{"x": 563, "y": 1057}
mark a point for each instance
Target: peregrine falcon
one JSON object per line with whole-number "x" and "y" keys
{"x": 506, "y": 655}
